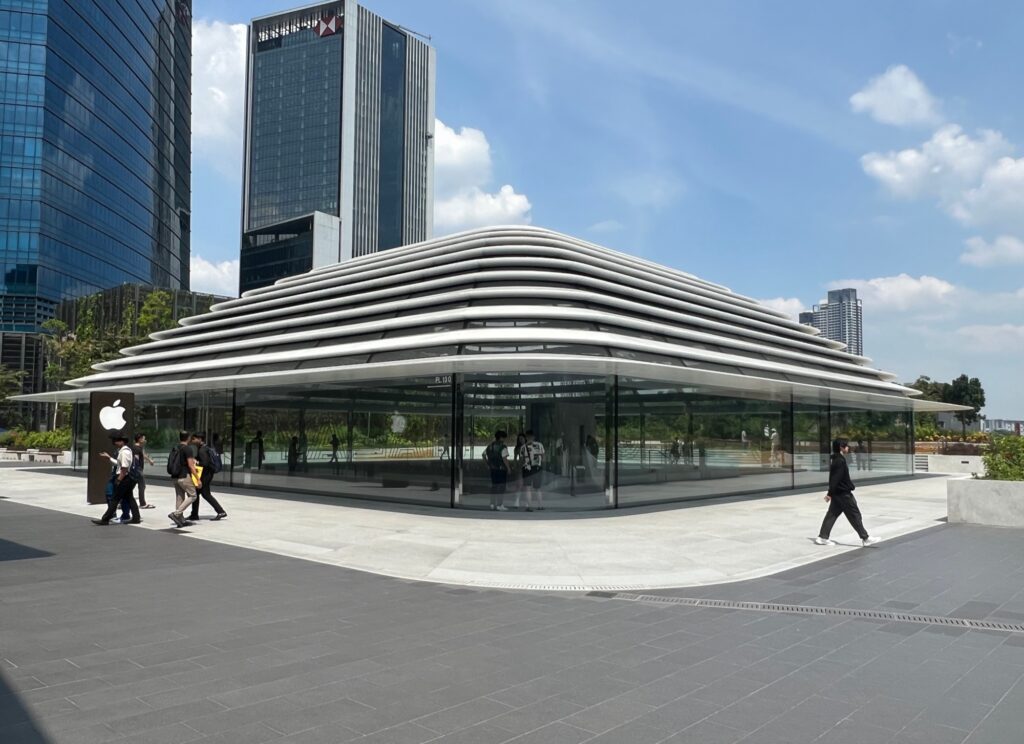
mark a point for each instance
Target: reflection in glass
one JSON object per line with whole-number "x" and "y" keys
{"x": 385, "y": 442}
{"x": 569, "y": 417}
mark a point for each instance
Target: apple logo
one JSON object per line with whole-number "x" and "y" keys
{"x": 112, "y": 417}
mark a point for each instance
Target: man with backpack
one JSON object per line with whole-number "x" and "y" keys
{"x": 496, "y": 457}
{"x": 181, "y": 466}
{"x": 124, "y": 482}
{"x": 210, "y": 461}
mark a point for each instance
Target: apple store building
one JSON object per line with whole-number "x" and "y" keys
{"x": 385, "y": 377}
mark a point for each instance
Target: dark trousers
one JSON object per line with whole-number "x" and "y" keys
{"x": 843, "y": 503}
{"x": 142, "y": 489}
{"x": 498, "y": 480}
{"x": 204, "y": 491}
{"x": 122, "y": 492}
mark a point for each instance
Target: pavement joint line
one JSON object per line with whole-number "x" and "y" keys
{"x": 789, "y": 609}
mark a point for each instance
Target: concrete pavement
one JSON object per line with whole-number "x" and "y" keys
{"x": 692, "y": 544}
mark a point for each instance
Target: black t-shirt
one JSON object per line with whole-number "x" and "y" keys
{"x": 138, "y": 454}
{"x": 187, "y": 451}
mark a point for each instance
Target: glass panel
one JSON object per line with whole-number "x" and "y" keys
{"x": 880, "y": 444}
{"x": 568, "y": 416}
{"x": 382, "y": 441}
{"x": 811, "y": 446}
{"x": 210, "y": 412}
{"x": 679, "y": 442}
{"x": 160, "y": 418}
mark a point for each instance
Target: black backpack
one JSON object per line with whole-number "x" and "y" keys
{"x": 213, "y": 458}
{"x": 174, "y": 462}
{"x": 135, "y": 470}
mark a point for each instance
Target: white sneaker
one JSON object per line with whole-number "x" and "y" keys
{"x": 492, "y": 507}
{"x": 502, "y": 508}
{"x": 823, "y": 541}
{"x": 869, "y": 541}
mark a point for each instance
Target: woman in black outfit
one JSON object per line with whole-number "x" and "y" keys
{"x": 840, "y": 497}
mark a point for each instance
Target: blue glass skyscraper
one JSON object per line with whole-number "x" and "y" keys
{"x": 94, "y": 151}
{"x": 338, "y": 140}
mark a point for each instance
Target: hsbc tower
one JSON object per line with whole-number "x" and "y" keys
{"x": 339, "y": 127}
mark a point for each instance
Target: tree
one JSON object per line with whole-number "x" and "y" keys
{"x": 11, "y": 383}
{"x": 965, "y": 391}
{"x": 931, "y": 389}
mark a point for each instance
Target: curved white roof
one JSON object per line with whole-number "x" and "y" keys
{"x": 504, "y": 298}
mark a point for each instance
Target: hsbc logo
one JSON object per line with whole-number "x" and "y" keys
{"x": 328, "y": 26}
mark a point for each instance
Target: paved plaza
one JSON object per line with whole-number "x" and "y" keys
{"x": 704, "y": 542}
{"x": 122, "y": 634}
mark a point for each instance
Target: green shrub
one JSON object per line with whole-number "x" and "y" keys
{"x": 20, "y": 439}
{"x": 1004, "y": 460}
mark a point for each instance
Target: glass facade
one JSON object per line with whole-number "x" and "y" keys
{"x": 392, "y": 138}
{"x": 294, "y": 128}
{"x": 94, "y": 150}
{"x": 275, "y": 252}
{"x": 608, "y": 441}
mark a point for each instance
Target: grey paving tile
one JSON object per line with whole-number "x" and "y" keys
{"x": 405, "y": 733}
{"x": 462, "y": 715}
{"x": 253, "y": 733}
{"x": 629, "y": 733}
{"x": 678, "y": 715}
{"x": 931, "y": 733}
{"x": 482, "y": 733}
{"x": 607, "y": 715}
{"x": 706, "y": 732}
{"x": 535, "y": 715}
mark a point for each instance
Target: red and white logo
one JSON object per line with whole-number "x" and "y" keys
{"x": 328, "y": 26}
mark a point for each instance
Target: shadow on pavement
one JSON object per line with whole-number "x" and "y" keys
{"x": 12, "y": 551}
{"x": 16, "y": 722}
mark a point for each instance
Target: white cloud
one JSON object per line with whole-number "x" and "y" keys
{"x": 649, "y": 190}
{"x": 900, "y": 293}
{"x": 606, "y": 226}
{"x": 944, "y": 166}
{"x": 1001, "y": 339}
{"x": 216, "y": 278}
{"x": 473, "y": 207}
{"x": 1005, "y": 249}
{"x": 218, "y": 89}
{"x": 461, "y": 159}
{"x": 998, "y": 199}
{"x": 462, "y": 173}
{"x": 791, "y": 306}
{"x": 897, "y": 97}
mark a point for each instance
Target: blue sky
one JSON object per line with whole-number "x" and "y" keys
{"x": 778, "y": 148}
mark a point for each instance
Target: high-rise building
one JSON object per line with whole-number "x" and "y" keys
{"x": 840, "y": 318}
{"x": 339, "y": 123}
{"x": 94, "y": 155}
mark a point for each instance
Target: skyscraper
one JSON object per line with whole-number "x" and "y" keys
{"x": 840, "y": 318}
{"x": 339, "y": 124}
{"x": 94, "y": 156}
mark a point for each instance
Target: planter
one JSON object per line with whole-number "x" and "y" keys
{"x": 965, "y": 464}
{"x": 989, "y": 502}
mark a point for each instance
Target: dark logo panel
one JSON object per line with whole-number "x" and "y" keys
{"x": 110, "y": 414}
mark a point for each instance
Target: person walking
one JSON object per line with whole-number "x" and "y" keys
{"x": 139, "y": 450}
{"x": 181, "y": 466}
{"x": 206, "y": 456}
{"x": 496, "y": 457}
{"x": 840, "y": 498}
{"x": 112, "y": 486}
{"x": 124, "y": 483}
{"x": 533, "y": 471}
